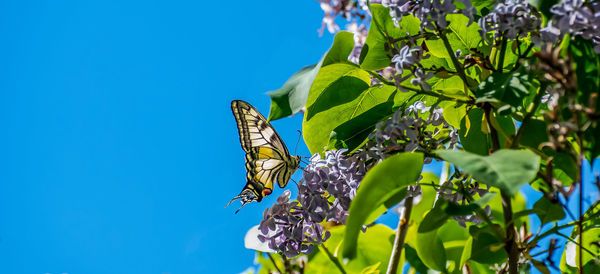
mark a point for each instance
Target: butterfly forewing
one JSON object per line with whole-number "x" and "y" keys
{"x": 267, "y": 158}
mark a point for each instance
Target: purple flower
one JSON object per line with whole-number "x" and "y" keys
{"x": 511, "y": 19}
{"x": 574, "y": 17}
{"x": 286, "y": 228}
{"x": 421, "y": 78}
{"x": 428, "y": 11}
{"x": 408, "y": 57}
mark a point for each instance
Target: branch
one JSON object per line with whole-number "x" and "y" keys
{"x": 509, "y": 226}
{"x": 457, "y": 65}
{"x": 333, "y": 259}
{"x": 400, "y": 235}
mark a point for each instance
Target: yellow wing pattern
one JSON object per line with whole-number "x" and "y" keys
{"x": 267, "y": 158}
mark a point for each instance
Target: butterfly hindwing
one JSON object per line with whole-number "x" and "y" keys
{"x": 267, "y": 158}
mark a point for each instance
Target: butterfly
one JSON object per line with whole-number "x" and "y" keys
{"x": 267, "y": 158}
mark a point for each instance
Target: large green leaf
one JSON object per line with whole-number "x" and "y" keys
{"x": 382, "y": 182}
{"x": 341, "y": 93}
{"x": 353, "y": 132}
{"x": 506, "y": 91}
{"x": 430, "y": 249}
{"x": 375, "y": 54}
{"x": 291, "y": 97}
{"x": 505, "y": 169}
{"x": 460, "y": 36}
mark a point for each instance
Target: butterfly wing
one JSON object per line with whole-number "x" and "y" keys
{"x": 267, "y": 158}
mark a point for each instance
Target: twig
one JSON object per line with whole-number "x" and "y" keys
{"x": 400, "y": 235}
{"x": 457, "y": 65}
{"x": 333, "y": 259}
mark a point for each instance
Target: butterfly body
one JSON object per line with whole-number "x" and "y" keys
{"x": 267, "y": 158}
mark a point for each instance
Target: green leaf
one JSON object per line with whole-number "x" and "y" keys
{"x": 570, "y": 256}
{"x": 504, "y": 169}
{"x": 548, "y": 211}
{"x": 291, "y": 97}
{"x": 480, "y": 4}
{"x": 534, "y": 134}
{"x": 460, "y": 36}
{"x": 375, "y": 54}
{"x": 336, "y": 96}
{"x": 434, "y": 218}
{"x": 381, "y": 183}
{"x": 431, "y": 250}
{"x": 341, "y": 106}
{"x": 413, "y": 259}
{"x": 506, "y": 91}
{"x": 471, "y": 137}
{"x": 486, "y": 248}
{"x": 453, "y": 112}
{"x": 352, "y": 133}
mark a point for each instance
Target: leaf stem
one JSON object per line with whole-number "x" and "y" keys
{"x": 400, "y": 236}
{"x": 421, "y": 91}
{"x": 333, "y": 259}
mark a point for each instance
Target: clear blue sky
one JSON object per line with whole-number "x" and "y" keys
{"x": 118, "y": 148}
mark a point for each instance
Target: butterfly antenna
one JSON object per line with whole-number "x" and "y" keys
{"x": 295, "y": 149}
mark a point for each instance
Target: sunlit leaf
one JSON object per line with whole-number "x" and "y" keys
{"x": 504, "y": 169}
{"x": 382, "y": 182}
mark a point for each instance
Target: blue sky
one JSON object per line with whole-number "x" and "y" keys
{"x": 118, "y": 146}
{"x": 119, "y": 149}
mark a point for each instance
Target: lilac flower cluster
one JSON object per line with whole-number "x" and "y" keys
{"x": 446, "y": 192}
{"x": 511, "y": 19}
{"x": 336, "y": 175}
{"x": 285, "y": 228}
{"x": 575, "y": 17}
{"x": 407, "y": 133}
{"x": 329, "y": 186}
{"x": 428, "y": 11}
